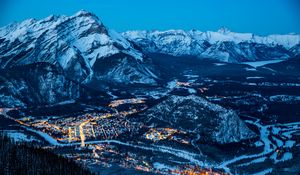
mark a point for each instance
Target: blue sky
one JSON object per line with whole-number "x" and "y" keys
{"x": 257, "y": 16}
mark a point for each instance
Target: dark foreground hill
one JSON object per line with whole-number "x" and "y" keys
{"x": 23, "y": 159}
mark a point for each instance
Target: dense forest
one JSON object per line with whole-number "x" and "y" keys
{"x": 23, "y": 159}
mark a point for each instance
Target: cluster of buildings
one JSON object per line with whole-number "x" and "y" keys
{"x": 157, "y": 134}
{"x": 91, "y": 126}
{"x": 117, "y": 103}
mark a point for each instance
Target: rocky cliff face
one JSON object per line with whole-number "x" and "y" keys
{"x": 222, "y": 45}
{"x": 191, "y": 113}
{"x": 35, "y": 84}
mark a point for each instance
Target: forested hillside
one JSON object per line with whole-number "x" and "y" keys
{"x": 23, "y": 159}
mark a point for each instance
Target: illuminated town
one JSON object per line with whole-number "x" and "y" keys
{"x": 99, "y": 139}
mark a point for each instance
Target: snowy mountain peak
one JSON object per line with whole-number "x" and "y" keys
{"x": 83, "y": 12}
{"x": 75, "y": 43}
{"x": 87, "y": 14}
{"x": 224, "y": 30}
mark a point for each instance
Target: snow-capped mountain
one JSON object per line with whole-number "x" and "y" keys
{"x": 191, "y": 113}
{"x": 81, "y": 45}
{"x": 222, "y": 45}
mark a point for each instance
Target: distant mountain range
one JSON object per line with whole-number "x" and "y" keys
{"x": 222, "y": 45}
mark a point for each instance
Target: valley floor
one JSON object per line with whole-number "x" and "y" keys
{"x": 111, "y": 137}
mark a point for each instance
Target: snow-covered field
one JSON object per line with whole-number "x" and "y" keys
{"x": 261, "y": 63}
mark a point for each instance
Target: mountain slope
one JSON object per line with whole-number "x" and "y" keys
{"x": 35, "y": 84}
{"x": 222, "y": 45}
{"x": 192, "y": 113}
{"x": 76, "y": 44}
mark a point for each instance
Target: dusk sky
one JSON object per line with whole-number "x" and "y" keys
{"x": 257, "y": 16}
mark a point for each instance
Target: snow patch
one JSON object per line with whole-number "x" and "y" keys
{"x": 248, "y": 78}
{"x": 256, "y": 64}
{"x": 19, "y": 136}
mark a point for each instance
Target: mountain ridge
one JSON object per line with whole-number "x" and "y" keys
{"x": 224, "y": 34}
{"x": 216, "y": 45}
